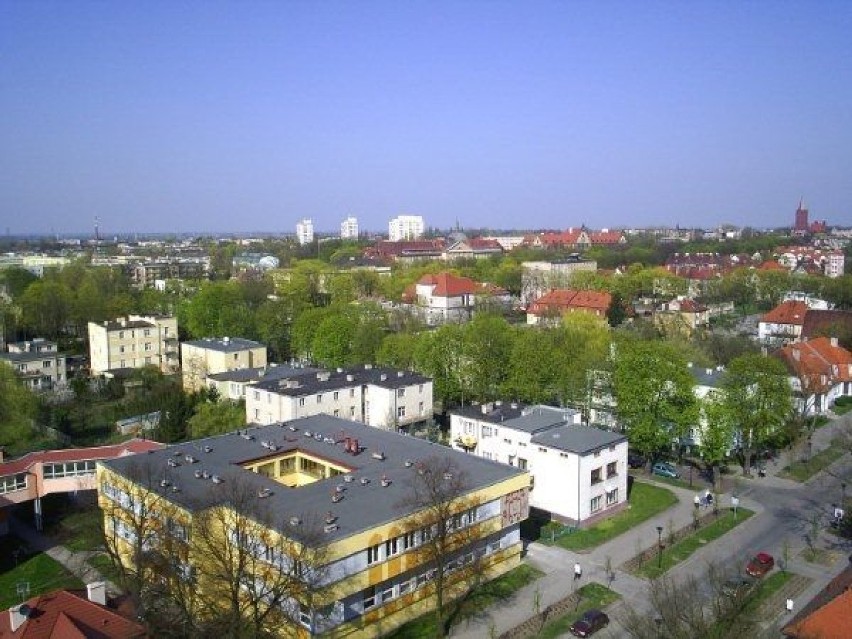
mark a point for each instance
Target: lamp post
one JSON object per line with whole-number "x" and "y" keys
{"x": 659, "y": 622}
{"x": 843, "y": 495}
{"x": 810, "y": 447}
{"x": 659, "y": 546}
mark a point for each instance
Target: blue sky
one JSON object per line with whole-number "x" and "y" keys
{"x": 246, "y": 116}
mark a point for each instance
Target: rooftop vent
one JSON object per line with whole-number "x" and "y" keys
{"x": 175, "y": 489}
{"x": 295, "y": 521}
{"x": 365, "y": 481}
{"x": 205, "y": 474}
{"x": 328, "y": 440}
{"x": 217, "y": 479}
{"x": 348, "y": 479}
{"x": 190, "y": 459}
{"x": 408, "y": 463}
{"x": 330, "y": 517}
{"x": 385, "y": 481}
{"x": 318, "y": 437}
{"x": 177, "y": 453}
{"x": 308, "y": 433}
{"x": 263, "y": 493}
{"x": 293, "y": 428}
{"x": 164, "y": 482}
{"x": 383, "y": 377}
{"x": 448, "y": 476}
{"x": 208, "y": 449}
{"x": 400, "y": 373}
{"x": 172, "y": 462}
{"x": 339, "y": 370}
{"x": 379, "y": 455}
{"x": 247, "y": 436}
{"x": 329, "y": 528}
{"x": 350, "y": 378}
{"x": 336, "y": 497}
{"x": 198, "y": 474}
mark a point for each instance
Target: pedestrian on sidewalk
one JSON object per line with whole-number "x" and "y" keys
{"x": 790, "y": 606}
{"x": 578, "y": 571}
{"x": 697, "y": 501}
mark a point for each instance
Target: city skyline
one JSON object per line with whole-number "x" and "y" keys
{"x": 226, "y": 117}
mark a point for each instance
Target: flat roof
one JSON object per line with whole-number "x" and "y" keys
{"x": 31, "y": 356}
{"x": 313, "y": 381}
{"x": 577, "y": 439}
{"x": 364, "y": 506}
{"x": 273, "y": 372}
{"x": 225, "y": 344}
{"x": 493, "y": 413}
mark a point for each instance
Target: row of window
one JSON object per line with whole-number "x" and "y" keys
{"x": 69, "y": 469}
{"x": 597, "y": 473}
{"x": 10, "y": 483}
{"x": 125, "y": 349}
{"x": 596, "y": 503}
{"x": 145, "y": 332}
{"x": 415, "y": 538}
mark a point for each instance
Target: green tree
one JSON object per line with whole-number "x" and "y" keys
{"x": 332, "y": 343}
{"x": 654, "y": 395}
{"x": 397, "y": 350}
{"x": 616, "y": 313}
{"x": 16, "y": 280}
{"x": 46, "y": 308}
{"x": 717, "y": 434}
{"x": 440, "y": 354}
{"x": 582, "y": 343}
{"x": 18, "y": 407}
{"x": 756, "y": 401}
{"x": 487, "y": 345}
{"x": 305, "y": 327}
{"x": 531, "y": 366}
{"x": 215, "y": 418}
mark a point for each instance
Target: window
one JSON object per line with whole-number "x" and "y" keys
{"x": 13, "y": 482}
{"x": 612, "y": 497}
{"x": 46, "y": 363}
{"x": 389, "y": 593}
{"x": 596, "y": 476}
{"x": 337, "y": 412}
{"x": 286, "y": 465}
{"x": 336, "y": 395}
{"x": 400, "y": 392}
{"x": 522, "y": 463}
{"x": 542, "y": 450}
{"x": 351, "y": 411}
{"x": 351, "y": 392}
{"x": 301, "y": 401}
{"x": 612, "y": 469}
{"x": 507, "y": 441}
{"x": 373, "y": 554}
{"x": 147, "y": 346}
{"x": 319, "y": 398}
{"x": 120, "y": 334}
{"x": 488, "y": 431}
{"x": 147, "y": 332}
{"x": 370, "y": 598}
{"x": 407, "y": 586}
{"x": 256, "y": 395}
{"x": 420, "y": 408}
{"x": 400, "y": 412}
{"x": 421, "y": 388}
{"x": 392, "y": 547}
{"x": 257, "y": 413}
{"x": 408, "y": 540}
{"x": 595, "y": 503}
{"x": 121, "y": 349}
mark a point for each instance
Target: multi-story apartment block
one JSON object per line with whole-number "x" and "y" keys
{"x": 145, "y": 274}
{"x": 349, "y": 228}
{"x": 406, "y": 227}
{"x": 305, "y": 231}
{"x": 579, "y": 473}
{"x": 38, "y": 364}
{"x": 234, "y": 384}
{"x": 329, "y": 504}
{"x": 382, "y": 397}
{"x": 134, "y": 341}
{"x": 202, "y": 357}
{"x": 537, "y": 278}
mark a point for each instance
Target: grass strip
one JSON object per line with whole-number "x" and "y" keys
{"x": 683, "y": 549}
{"x": 645, "y": 501}
{"x": 40, "y": 573}
{"x": 594, "y": 596}
{"x": 803, "y": 470}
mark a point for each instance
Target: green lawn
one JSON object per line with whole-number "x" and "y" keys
{"x": 744, "y": 620}
{"x": 766, "y": 588}
{"x": 842, "y": 406}
{"x": 486, "y": 595}
{"x": 645, "y": 501}
{"x": 594, "y": 595}
{"x": 79, "y": 530}
{"x": 804, "y": 470}
{"x": 680, "y": 482}
{"x": 42, "y": 573}
{"x": 104, "y": 565}
{"x": 680, "y": 551}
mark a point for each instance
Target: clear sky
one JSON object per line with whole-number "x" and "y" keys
{"x": 245, "y": 116}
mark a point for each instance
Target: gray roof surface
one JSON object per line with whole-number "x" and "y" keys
{"x": 706, "y": 377}
{"x": 269, "y": 373}
{"x": 118, "y": 326}
{"x": 493, "y": 413}
{"x": 577, "y": 439}
{"x": 310, "y": 383}
{"x": 363, "y": 506}
{"x": 232, "y": 345}
{"x": 31, "y": 357}
{"x": 538, "y": 418}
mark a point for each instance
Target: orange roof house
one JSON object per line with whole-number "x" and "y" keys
{"x": 828, "y": 615}
{"x": 821, "y": 369}
{"x": 783, "y": 323}
{"x": 444, "y": 297}
{"x": 560, "y": 301}
{"x": 67, "y": 614}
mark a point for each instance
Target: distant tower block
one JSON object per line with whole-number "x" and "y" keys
{"x": 97, "y": 231}
{"x": 801, "y": 217}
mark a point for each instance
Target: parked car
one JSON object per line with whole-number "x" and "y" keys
{"x": 760, "y": 564}
{"x": 589, "y": 623}
{"x": 635, "y": 460}
{"x": 664, "y": 469}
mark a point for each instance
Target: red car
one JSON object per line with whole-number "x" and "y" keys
{"x": 589, "y": 623}
{"x": 761, "y": 564}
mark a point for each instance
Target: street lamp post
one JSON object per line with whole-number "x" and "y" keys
{"x": 810, "y": 447}
{"x": 843, "y": 495}
{"x": 659, "y": 546}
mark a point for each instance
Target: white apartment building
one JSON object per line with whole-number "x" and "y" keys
{"x": 406, "y": 227}
{"x": 578, "y": 473}
{"x": 134, "y": 341}
{"x": 381, "y": 397}
{"x": 349, "y": 228}
{"x": 38, "y": 364}
{"x": 305, "y": 231}
{"x": 202, "y": 357}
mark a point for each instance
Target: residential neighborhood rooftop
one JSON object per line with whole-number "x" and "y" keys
{"x": 578, "y": 439}
{"x": 225, "y": 344}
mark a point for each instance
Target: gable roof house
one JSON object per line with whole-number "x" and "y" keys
{"x": 552, "y": 306}
{"x": 473, "y": 248}
{"x": 446, "y": 297}
{"x": 820, "y": 372}
{"x": 826, "y": 616}
{"x": 783, "y": 324}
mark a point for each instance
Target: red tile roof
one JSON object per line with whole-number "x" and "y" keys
{"x": 606, "y": 237}
{"x": 831, "y": 323}
{"x": 818, "y": 363}
{"x": 130, "y": 447}
{"x": 771, "y": 265}
{"x": 449, "y": 285}
{"x": 66, "y": 614}
{"x": 831, "y": 621}
{"x": 789, "y": 312}
{"x": 565, "y": 299}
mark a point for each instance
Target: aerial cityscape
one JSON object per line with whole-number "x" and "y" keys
{"x": 407, "y": 320}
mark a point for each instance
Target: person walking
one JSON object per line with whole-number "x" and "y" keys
{"x": 697, "y": 501}
{"x": 578, "y": 571}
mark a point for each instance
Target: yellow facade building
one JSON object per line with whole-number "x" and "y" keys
{"x": 358, "y": 527}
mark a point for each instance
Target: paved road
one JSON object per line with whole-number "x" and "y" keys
{"x": 784, "y": 511}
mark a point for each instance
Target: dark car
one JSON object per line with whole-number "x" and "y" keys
{"x": 589, "y": 623}
{"x": 737, "y": 586}
{"x": 664, "y": 469}
{"x": 760, "y": 564}
{"x": 635, "y": 460}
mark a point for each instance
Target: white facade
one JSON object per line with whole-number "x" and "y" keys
{"x": 406, "y": 227}
{"x": 38, "y": 364}
{"x": 384, "y": 398}
{"x": 835, "y": 264}
{"x": 305, "y": 231}
{"x": 579, "y": 474}
{"x": 349, "y": 228}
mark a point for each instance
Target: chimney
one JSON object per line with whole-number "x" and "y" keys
{"x": 400, "y": 373}
{"x": 2, "y": 454}
{"x": 383, "y": 377}
{"x": 796, "y": 354}
{"x": 18, "y": 615}
{"x": 834, "y": 342}
{"x": 96, "y": 592}
{"x": 350, "y": 378}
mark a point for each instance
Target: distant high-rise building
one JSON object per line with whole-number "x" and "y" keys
{"x": 305, "y": 231}
{"x": 405, "y": 227}
{"x": 801, "y": 218}
{"x": 349, "y": 228}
